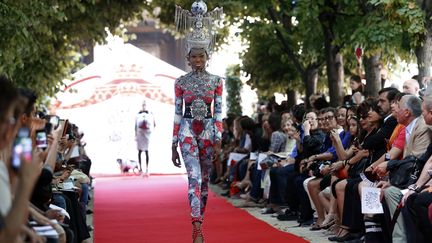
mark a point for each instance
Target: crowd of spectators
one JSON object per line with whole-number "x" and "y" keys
{"x": 44, "y": 172}
{"x": 317, "y": 166}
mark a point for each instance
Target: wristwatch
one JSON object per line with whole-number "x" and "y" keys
{"x": 386, "y": 156}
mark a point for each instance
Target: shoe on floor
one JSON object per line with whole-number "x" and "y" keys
{"x": 288, "y": 216}
{"x": 306, "y": 223}
{"x": 249, "y": 204}
{"x": 280, "y": 212}
{"x": 267, "y": 211}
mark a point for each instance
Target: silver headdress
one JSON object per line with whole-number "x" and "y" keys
{"x": 199, "y": 25}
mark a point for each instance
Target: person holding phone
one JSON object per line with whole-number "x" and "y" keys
{"x": 198, "y": 127}
{"x": 13, "y": 212}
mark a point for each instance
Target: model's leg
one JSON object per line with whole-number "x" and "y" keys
{"x": 139, "y": 159}
{"x": 206, "y": 156}
{"x": 189, "y": 150}
{"x": 147, "y": 160}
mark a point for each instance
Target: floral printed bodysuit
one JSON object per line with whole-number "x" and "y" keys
{"x": 196, "y": 130}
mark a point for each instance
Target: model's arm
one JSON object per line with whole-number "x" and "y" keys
{"x": 218, "y": 110}
{"x": 178, "y": 103}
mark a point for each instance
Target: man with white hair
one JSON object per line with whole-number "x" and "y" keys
{"x": 411, "y": 86}
{"x": 418, "y": 137}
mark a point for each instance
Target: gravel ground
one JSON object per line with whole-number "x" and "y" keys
{"x": 286, "y": 226}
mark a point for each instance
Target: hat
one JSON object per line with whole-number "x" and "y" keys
{"x": 198, "y": 25}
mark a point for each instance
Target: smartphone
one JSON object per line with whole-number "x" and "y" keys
{"x": 22, "y": 148}
{"x": 41, "y": 139}
{"x": 65, "y": 124}
{"x": 52, "y": 123}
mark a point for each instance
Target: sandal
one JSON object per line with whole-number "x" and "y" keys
{"x": 329, "y": 221}
{"x": 315, "y": 227}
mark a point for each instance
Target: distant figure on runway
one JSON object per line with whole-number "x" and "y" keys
{"x": 196, "y": 129}
{"x": 144, "y": 125}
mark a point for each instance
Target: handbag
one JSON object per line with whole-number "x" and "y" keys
{"x": 405, "y": 172}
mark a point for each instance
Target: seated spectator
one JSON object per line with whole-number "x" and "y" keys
{"x": 13, "y": 214}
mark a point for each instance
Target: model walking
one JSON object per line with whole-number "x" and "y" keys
{"x": 144, "y": 125}
{"x": 196, "y": 129}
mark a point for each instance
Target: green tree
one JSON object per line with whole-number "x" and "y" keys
{"x": 233, "y": 86}
{"x": 289, "y": 41}
{"x": 41, "y": 41}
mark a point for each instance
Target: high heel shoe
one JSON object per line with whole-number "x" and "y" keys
{"x": 197, "y": 233}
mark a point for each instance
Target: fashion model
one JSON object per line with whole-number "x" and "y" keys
{"x": 197, "y": 127}
{"x": 144, "y": 125}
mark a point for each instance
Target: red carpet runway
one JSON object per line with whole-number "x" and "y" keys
{"x": 155, "y": 209}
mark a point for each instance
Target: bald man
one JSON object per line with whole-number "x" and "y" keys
{"x": 411, "y": 86}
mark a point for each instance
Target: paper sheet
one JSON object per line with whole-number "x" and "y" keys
{"x": 261, "y": 157}
{"x": 370, "y": 200}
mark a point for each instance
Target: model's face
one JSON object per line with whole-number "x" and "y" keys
{"x": 197, "y": 59}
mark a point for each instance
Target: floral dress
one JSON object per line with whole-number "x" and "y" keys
{"x": 197, "y": 128}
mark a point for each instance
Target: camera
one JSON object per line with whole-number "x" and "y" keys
{"x": 22, "y": 148}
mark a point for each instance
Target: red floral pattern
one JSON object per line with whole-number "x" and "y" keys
{"x": 197, "y": 127}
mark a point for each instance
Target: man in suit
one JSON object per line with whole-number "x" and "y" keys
{"x": 417, "y": 222}
{"x": 418, "y": 137}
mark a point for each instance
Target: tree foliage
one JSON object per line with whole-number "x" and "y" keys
{"x": 41, "y": 41}
{"x": 233, "y": 86}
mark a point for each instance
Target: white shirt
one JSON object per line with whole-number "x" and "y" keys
{"x": 387, "y": 117}
{"x": 409, "y": 129}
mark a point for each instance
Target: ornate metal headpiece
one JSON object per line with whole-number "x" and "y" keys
{"x": 199, "y": 25}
